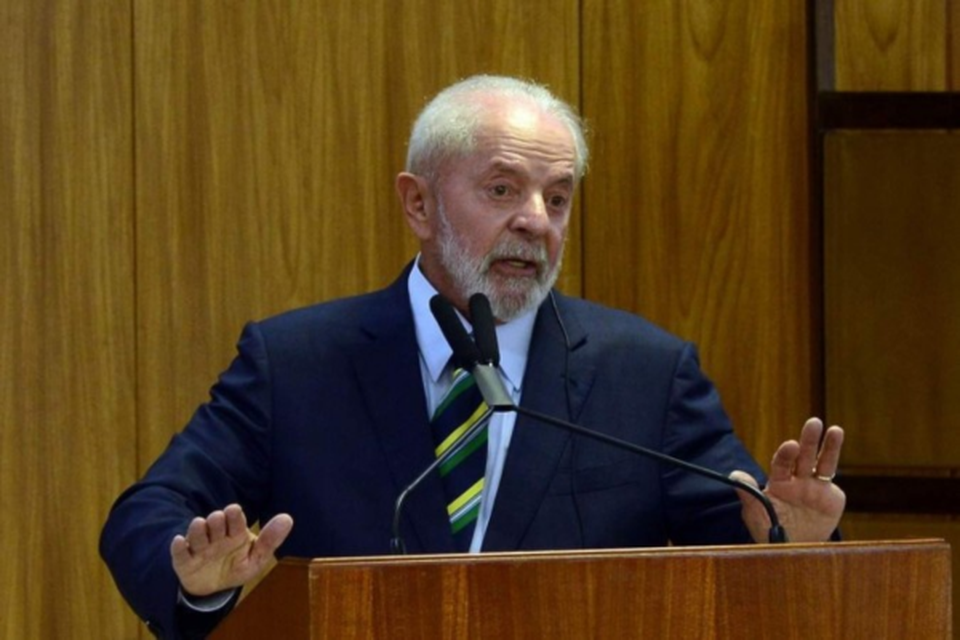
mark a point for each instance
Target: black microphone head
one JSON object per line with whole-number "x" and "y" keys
{"x": 464, "y": 350}
{"x": 484, "y": 329}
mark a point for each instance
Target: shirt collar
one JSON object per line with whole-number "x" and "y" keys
{"x": 513, "y": 337}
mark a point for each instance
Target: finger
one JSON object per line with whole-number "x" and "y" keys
{"x": 197, "y": 537}
{"x": 272, "y": 536}
{"x": 829, "y": 459}
{"x": 216, "y": 526}
{"x": 809, "y": 446}
{"x": 180, "y": 551}
{"x": 784, "y": 461}
{"x": 235, "y": 522}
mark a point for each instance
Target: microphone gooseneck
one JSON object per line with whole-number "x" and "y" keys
{"x": 776, "y": 533}
{"x": 478, "y": 357}
{"x": 397, "y": 547}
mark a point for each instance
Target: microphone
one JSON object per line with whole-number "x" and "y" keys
{"x": 467, "y": 356}
{"x": 480, "y": 358}
{"x": 482, "y": 318}
{"x": 465, "y": 351}
{"x": 484, "y": 329}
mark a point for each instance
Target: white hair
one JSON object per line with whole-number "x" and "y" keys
{"x": 448, "y": 125}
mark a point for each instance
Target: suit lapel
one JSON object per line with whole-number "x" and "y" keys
{"x": 536, "y": 449}
{"x": 389, "y": 375}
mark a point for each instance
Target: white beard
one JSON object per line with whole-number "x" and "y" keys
{"x": 509, "y": 297}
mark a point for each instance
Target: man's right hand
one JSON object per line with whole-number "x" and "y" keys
{"x": 220, "y": 552}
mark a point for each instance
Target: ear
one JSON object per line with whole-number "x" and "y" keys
{"x": 418, "y": 203}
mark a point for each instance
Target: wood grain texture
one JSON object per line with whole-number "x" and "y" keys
{"x": 67, "y": 352}
{"x": 243, "y": 164}
{"x": 860, "y": 527}
{"x": 697, "y": 210}
{"x": 823, "y": 591}
{"x": 892, "y": 45}
{"x": 268, "y": 137}
{"x": 953, "y": 45}
{"x": 893, "y": 316}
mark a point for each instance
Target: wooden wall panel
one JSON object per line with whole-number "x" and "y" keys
{"x": 953, "y": 45}
{"x": 268, "y": 137}
{"x": 892, "y": 309}
{"x": 697, "y": 209}
{"x": 67, "y": 432}
{"x": 893, "y": 45}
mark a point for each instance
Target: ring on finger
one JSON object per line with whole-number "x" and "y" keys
{"x": 823, "y": 478}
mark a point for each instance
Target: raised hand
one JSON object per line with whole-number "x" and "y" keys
{"x": 220, "y": 552}
{"x": 800, "y": 487}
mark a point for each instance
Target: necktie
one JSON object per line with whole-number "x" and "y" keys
{"x": 462, "y": 474}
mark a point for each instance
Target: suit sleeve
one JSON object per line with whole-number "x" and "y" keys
{"x": 218, "y": 459}
{"x": 700, "y": 510}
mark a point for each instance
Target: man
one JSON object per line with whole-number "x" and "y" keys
{"x": 323, "y": 418}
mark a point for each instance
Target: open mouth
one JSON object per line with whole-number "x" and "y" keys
{"x": 515, "y": 267}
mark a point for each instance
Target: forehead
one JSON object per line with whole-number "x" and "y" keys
{"x": 524, "y": 136}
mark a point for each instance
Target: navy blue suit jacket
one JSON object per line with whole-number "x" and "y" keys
{"x": 322, "y": 415}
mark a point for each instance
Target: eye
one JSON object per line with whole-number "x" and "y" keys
{"x": 558, "y": 201}
{"x": 499, "y": 190}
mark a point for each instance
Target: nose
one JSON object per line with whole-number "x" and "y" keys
{"x": 532, "y": 217}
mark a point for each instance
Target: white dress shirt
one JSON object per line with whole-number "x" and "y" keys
{"x": 514, "y": 341}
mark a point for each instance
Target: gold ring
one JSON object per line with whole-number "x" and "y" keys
{"x": 823, "y": 478}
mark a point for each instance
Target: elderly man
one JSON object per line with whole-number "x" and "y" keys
{"x": 325, "y": 414}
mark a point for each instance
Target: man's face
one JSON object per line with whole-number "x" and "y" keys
{"x": 501, "y": 213}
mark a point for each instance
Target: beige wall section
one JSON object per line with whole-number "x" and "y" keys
{"x": 67, "y": 352}
{"x": 895, "y": 45}
{"x": 697, "y": 208}
{"x": 268, "y": 138}
{"x": 892, "y": 310}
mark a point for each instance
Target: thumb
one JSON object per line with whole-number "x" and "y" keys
{"x": 746, "y": 498}
{"x": 743, "y": 476}
{"x": 752, "y": 511}
{"x": 272, "y": 535}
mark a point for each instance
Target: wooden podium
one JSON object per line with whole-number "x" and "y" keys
{"x": 837, "y": 590}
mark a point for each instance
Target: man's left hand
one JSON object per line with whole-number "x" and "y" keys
{"x": 800, "y": 487}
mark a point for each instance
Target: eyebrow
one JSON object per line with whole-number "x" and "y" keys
{"x": 501, "y": 166}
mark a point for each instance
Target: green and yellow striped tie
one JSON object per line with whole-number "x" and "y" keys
{"x": 461, "y": 408}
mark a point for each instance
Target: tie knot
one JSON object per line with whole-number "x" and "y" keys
{"x": 460, "y": 383}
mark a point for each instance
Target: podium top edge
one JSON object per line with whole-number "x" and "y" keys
{"x": 860, "y": 546}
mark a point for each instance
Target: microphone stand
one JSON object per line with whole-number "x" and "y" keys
{"x": 776, "y": 535}
{"x": 485, "y": 370}
{"x": 482, "y": 363}
{"x": 397, "y": 547}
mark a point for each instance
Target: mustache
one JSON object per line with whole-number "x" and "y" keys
{"x": 514, "y": 249}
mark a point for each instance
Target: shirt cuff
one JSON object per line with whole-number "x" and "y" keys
{"x": 206, "y": 604}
